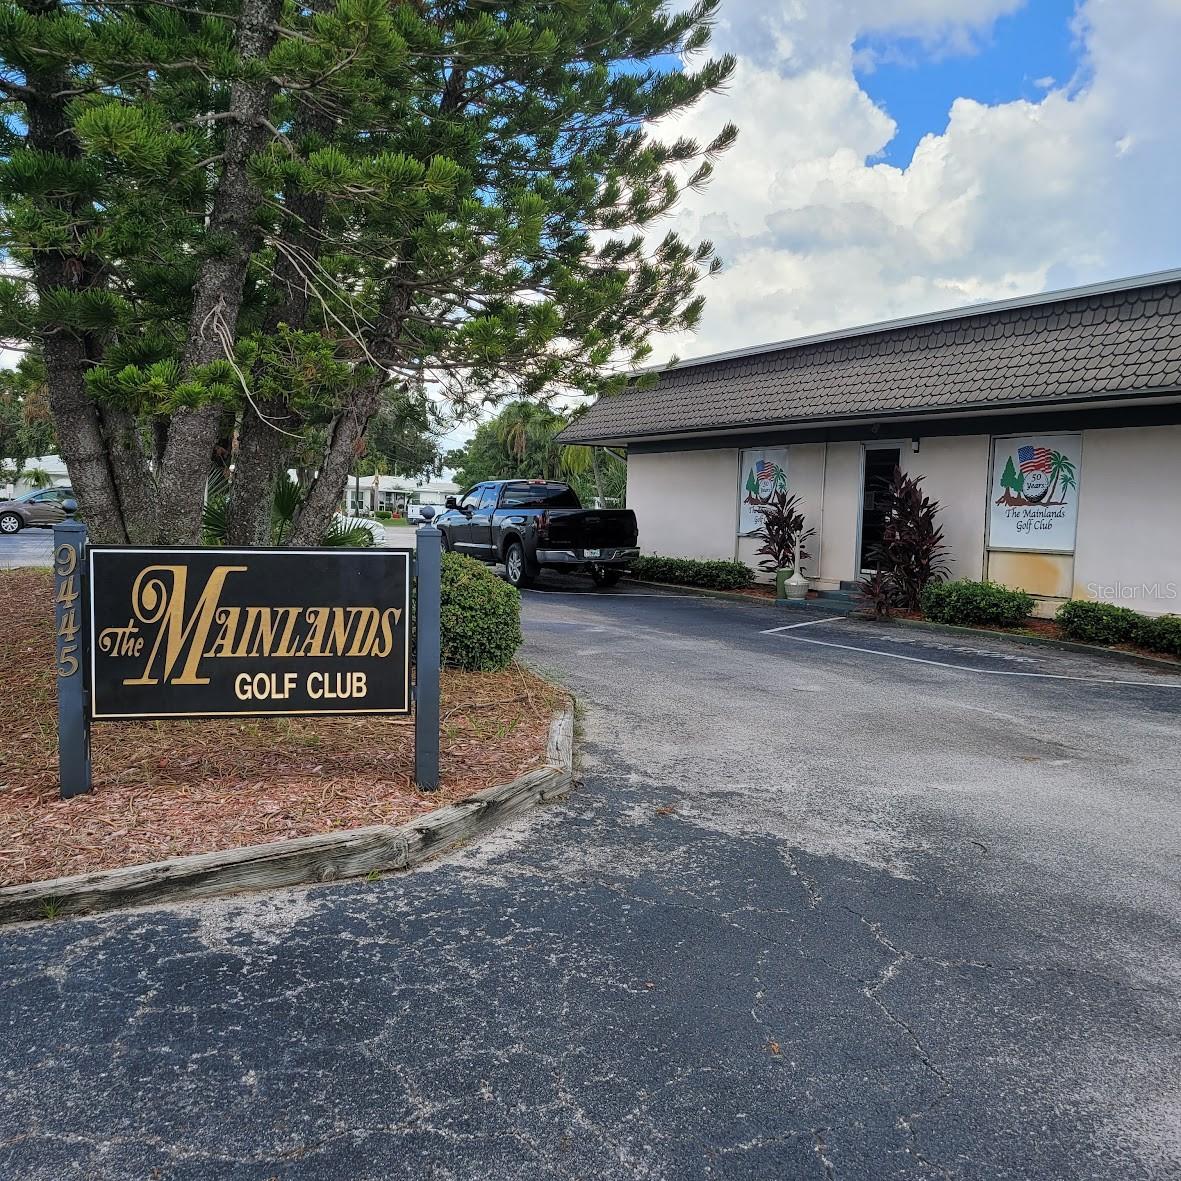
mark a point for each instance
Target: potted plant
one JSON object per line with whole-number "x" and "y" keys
{"x": 783, "y": 536}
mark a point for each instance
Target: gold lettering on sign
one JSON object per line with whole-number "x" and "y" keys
{"x": 65, "y": 565}
{"x": 155, "y": 599}
{"x": 180, "y": 639}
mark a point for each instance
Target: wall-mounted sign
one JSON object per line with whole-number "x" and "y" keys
{"x": 210, "y": 632}
{"x": 1033, "y": 504}
{"x": 761, "y": 472}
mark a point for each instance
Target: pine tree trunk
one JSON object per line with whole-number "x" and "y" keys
{"x": 79, "y": 434}
{"x": 346, "y": 439}
{"x": 262, "y": 446}
{"x": 217, "y": 293}
{"x": 75, "y": 414}
{"x": 344, "y": 445}
{"x": 134, "y": 481}
{"x": 257, "y": 466}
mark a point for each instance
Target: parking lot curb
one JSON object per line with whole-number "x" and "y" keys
{"x": 1116, "y": 654}
{"x": 710, "y": 593}
{"x": 302, "y": 860}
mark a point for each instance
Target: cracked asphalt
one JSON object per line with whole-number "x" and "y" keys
{"x": 816, "y": 912}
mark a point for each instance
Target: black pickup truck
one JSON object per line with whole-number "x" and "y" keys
{"x": 530, "y": 525}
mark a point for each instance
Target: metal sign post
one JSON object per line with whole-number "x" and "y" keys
{"x": 73, "y": 723}
{"x": 428, "y": 563}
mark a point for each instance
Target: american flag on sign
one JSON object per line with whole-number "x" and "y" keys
{"x": 765, "y": 470}
{"x": 1034, "y": 459}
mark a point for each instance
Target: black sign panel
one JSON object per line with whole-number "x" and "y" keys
{"x": 181, "y": 633}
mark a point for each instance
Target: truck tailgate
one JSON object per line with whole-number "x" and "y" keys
{"x": 580, "y": 528}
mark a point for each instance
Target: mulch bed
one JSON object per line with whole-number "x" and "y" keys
{"x": 167, "y": 789}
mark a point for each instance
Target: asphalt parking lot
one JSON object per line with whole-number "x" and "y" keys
{"x": 29, "y": 547}
{"x": 34, "y": 547}
{"x": 834, "y": 901}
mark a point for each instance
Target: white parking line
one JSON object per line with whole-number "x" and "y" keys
{"x": 988, "y": 672}
{"x": 806, "y": 623}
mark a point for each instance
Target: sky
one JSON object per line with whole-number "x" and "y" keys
{"x": 902, "y": 156}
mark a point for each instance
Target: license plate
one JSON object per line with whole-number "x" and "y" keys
{"x": 592, "y": 553}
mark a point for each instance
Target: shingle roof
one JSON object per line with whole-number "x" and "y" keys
{"x": 1111, "y": 339}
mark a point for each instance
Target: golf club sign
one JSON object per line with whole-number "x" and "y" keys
{"x": 209, "y": 632}
{"x": 214, "y": 633}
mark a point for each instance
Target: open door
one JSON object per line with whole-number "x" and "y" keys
{"x": 880, "y": 463}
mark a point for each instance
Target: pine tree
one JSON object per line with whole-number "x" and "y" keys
{"x": 1012, "y": 481}
{"x": 241, "y": 223}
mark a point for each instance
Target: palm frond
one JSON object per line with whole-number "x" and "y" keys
{"x": 288, "y": 495}
{"x": 215, "y": 516}
{"x": 353, "y": 536}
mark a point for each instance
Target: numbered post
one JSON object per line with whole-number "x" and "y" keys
{"x": 73, "y": 726}
{"x": 428, "y": 566}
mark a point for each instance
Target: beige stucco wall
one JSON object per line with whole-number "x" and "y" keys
{"x": 686, "y": 502}
{"x": 1128, "y": 547}
{"x": 1129, "y": 519}
{"x": 955, "y": 471}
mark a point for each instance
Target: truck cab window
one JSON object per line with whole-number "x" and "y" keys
{"x": 540, "y": 495}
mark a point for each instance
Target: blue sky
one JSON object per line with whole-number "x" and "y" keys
{"x": 1016, "y": 58}
{"x": 1052, "y": 158}
{"x": 1062, "y": 169}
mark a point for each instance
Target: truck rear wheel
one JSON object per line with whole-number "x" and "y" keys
{"x": 521, "y": 572}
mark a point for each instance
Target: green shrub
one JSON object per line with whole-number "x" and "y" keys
{"x": 1105, "y": 623}
{"x": 715, "y": 573}
{"x": 383, "y": 514}
{"x": 1161, "y": 633}
{"x": 1098, "y": 623}
{"x": 973, "y": 604}
{"x": 481, "y": 616}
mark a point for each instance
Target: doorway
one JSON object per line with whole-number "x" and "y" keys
{"x": 879, "y": 466}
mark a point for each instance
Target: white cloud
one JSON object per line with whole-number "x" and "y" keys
{"x": 817, "y": 233}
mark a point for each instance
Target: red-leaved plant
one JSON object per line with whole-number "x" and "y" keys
{"x": 911, "y": 553}
{"x": 782, "y": 524}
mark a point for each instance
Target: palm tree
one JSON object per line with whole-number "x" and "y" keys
{"x": 577, "y": 460}
{"x": 1060, "y": 469}
{"x": 526, "y": 430}
{"x": 37, "y": 476}
{"x": 376, "y": 467}
{"x": 1068, "y": 482}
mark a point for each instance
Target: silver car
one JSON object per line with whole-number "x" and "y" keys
{"x": 41, "y": 508}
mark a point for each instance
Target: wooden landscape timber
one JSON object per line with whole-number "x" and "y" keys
{"x": 323, "y": 858}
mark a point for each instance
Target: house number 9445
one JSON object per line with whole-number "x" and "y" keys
{"x": 65, "y": 569}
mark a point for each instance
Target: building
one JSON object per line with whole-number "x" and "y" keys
{"x": 394, "y": 493}
{"x": 39, "y": 471}
{"x": 1048, "y": 427}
